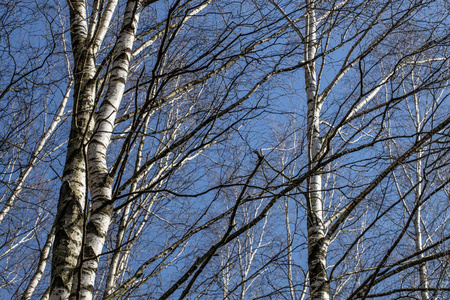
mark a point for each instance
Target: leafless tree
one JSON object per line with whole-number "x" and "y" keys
{"x": 223, "y": 149}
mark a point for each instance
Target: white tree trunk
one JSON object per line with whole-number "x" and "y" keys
{"x": 289, "y": 249}
{"x": 100, "y": 181}
{"x": 317, "y": 245}
{"x": 86, "y": 41}
{"x": 71, "y": 203}
{"x": 423, "y": 274}
{"x": 45, "y": 254}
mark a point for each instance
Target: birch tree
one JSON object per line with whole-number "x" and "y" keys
{"x": 85, "y": 232}
{"x": 199, "y": 149}
{"x": 415, "y": 177}
{"x": 35, "y": 87}
{"x": 362, "y": 41}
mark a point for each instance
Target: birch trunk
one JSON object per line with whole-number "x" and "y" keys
{"x": 289, "y": 249}
{"x": 115, "y": 260}
{"x": 423, "y": 276}
{"x": 317, "y": 245}
{"x": 71, "y": 203}
{"x": 100, "y": 180}
{"x": 418, "y": 236}
{"x": 45, "y": 254}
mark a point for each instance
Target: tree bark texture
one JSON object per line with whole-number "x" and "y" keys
{"x": 100, "y": 181}
{"x": 71, "y": 204}
{"x": 319, "y": 287}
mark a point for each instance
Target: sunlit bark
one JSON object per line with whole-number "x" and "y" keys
{"x": 100, "y": 180}
{"x": 71, "y": 204}
{"x": 226, "y": 149}
{"x": 317, "y": 244}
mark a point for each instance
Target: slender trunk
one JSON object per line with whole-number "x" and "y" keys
{"x": 115, "y": 260}
{"x": 72, "y": 198}
{"x": 45, "y": 253}
{"x": 317, "y": 244}
{"x": 44, "y": 256}
{"x": 423, "y": 266}
{"x": 114, "y": 265}
{"x": 289, "y": 249}
{"x": 423, "y": 276}
{"x": 100, "y": 180}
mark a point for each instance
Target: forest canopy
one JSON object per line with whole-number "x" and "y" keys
{"x": 219, "y": 149}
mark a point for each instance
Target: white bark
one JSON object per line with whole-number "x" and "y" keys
{"x": 113, "y": 266}
{"x": 289, "y": 249}
{"x": 71, "y": 203}
{"x": 317, "y": 245}
{"x": 103, "y": 25}
{"x": 86, "y": 42}
{"x": 100, "y": 181}
{"x": 423, "y": 274}
{"x": 44, "y": 256}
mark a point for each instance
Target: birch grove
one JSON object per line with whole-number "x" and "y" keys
{"x": 215, "y": 149}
